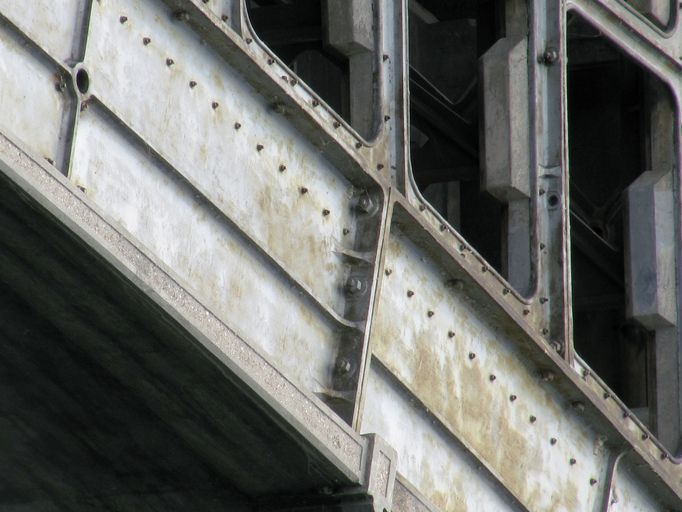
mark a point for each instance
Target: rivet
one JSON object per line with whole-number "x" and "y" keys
{"x": 526, "y": 312}
{"x": 224, "y": 17}
{"x": 552, "y": 441}
{"x": 505, "y": 291}
{"x": 181, "y": 16}
{"x": 541, "y": 191}
{"x": 146, "y": 41}
{"x": 387, "y": 118}
{"x": 343, "y": 366}
{"x": 422, "y": 207}
{"x": 626, "y": 414}
{"x": 429, "y": 313}
{"x": 271, "y": 61}
{"x": 443, "y": 227}
{"x": 293, "y": 81}
{"x": 214, "y": 105}
{"x": 259, "y": 147}
{"x": 355, "y": 285}
{"x": 192, "y": 84}
{"x": 532, "y": 419}
{"x": 285, "y": 78}
{"x": 325, "y": 212}
{"x": 237, "y": 126}
{"x": 336, "y": 124}
{"x": 169, "y": 62}
{"x": 358, "y": 145}
{"x": 384, "y": 57}
{"x": 123, "y": 19}
{"x": 542, "y": 246}
{"x": 645, "y": 437}
{"x": 549, "y": 56}
{"x": 380, "y": 166}
{"x": 484, "y": 268}
{"x": 512, "y": 398}
{"x": 593, "y": 481}
{"x": 472, "y": 355}
{"x": 586, "y": 373}
{"x": 248, "y": 40}
{"x": 451, "y": 334}
{"x": 572, "y": 461}
{"x": 315, "y": 103}
{"x": 410, "y": 293}
{"x": 578, "y": 406}
{"x": 282, "y": 168}
{"x": 664, "y": 456}
{"x": 547, "y": 375}
{"x": 303, "y": 190}
{"x": 543, "y": 300}
{"x": 492, "y": 378}
{"x": 607, "y": 396}
{"x": 544, "y": 330}
{"x": 388, "y": 271}
{"x": 345, "y": 231}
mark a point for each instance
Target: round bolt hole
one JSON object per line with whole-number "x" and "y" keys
{"x": 82, "y": 81}
{"x": 553, "y": 200}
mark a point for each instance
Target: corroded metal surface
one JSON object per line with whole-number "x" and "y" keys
{"x": 304, "y": 258}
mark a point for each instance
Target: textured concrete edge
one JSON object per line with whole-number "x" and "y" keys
{"x": 335, "y": 440}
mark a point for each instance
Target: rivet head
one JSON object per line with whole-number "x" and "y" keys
{"x": 512, "y": 398}
{"x": 325, "y": 212}
{"x": 578, "y": 406}
{"x": 492, "y": 378}
{"x": 214, "y": 105}
{"x": 123, "y": 19}
{"x": 169, "y": 62}
{"x": 388, "y": 271}
{"x": 336, "y": 124}
{"x": 303, "y": 190}
{"x": 146, "y": 41}
{"x": 472, "y": 355}
{"x": 526, "y": 312}
{"x": 355, "y": 285}
{"x": 380, "y": 166}
{"x": 532, "y": 419}
{"x": 224, "y": 17}
{"x": 282, "y": 168}
{"x": 451, "y": 334}
{"x": 259, "y": 147}
{"x": 429, "y": 313}
{"x": 410, "y": 293}
{"x": 552, "y": 441}
{"x": 315, "y": 103}
{"x": 645, "y": 437}
{"x": 344, "y": 366}
{"x": 422, "y": 207}
{"x": 192, "y": 84}
{"x": 248, "y": 40}
{"x": 384, "y": 57}
{"x": 572, "y": 461}
{"x": 593, "y": 481}
{"x": 345, "y": 231}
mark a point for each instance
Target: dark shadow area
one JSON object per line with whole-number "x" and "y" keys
{"x": 616, "y": 134}
{"x": 446, "y": 39}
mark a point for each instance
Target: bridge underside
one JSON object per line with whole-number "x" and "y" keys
{"x": 108, "y": 404}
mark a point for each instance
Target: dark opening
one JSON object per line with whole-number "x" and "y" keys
{"x": 296, "y": 31}
{"x": 613, "y": 140}
{"x": 82, "y": 81}
{"x": 446, "y": 39}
